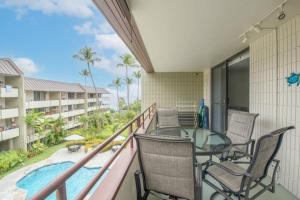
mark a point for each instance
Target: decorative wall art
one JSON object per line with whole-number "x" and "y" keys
{"x": 293, "y": 79}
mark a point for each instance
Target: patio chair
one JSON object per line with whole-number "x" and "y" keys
{"x": 167, "y": 117}
{"x": 167, "y": 166}
{"x": 240, "y": 131}
{"x": 238, "y": 181}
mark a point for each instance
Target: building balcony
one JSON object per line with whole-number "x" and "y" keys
{"x": 9, "y": 113}
{"x": 92, "y": 108}
{"x": 9, "y": 134}
{"x": 90, "y": 100}
{"x": 72, "y": 101}
{"x": 72, "y": 124}
{"x": 13, "y": 92}
{"x": 72, "y": 113}
{"x": 53, "y": 115}
{"x": 41, "y": 104}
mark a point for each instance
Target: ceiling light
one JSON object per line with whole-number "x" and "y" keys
{"x": 245, "y": 39}
{"x": 257, "y": 28}
{"x": 281, "y": 14}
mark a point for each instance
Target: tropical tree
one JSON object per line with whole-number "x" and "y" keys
{"x": 137, "y": 75}
{"x": 85, "y": 73}
{"x": 89, "y": 56}
{"x": 127, "y": 61}
{"x": 35, "y": 120}
{"x": 129, "y": 82}
{"x": 117, "y": 83}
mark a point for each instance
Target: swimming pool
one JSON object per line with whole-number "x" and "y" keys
{"x": 39, "y": 178}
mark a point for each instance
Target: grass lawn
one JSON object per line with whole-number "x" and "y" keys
{"x": 46, "y": 154}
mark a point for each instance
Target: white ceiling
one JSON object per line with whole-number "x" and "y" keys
{"x": 191, "y": 35}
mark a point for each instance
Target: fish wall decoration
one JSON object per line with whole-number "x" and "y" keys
{"x": 293, "y": 79}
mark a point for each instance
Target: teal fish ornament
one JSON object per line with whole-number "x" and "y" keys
{"x": 293, "y": 79}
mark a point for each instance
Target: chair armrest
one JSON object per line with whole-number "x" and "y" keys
{"x": 241, "y": 144}
{"x": 229, "y": 170}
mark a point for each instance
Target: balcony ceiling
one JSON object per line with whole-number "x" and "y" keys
{"x": 191, "y": 35}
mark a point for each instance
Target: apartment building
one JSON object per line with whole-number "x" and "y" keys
{"x": 20, "y": 95}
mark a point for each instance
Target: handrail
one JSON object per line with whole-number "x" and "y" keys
{"x": 59, "y": 184}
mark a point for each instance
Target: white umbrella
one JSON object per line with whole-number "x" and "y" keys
{"x": 74, "y": 137}
{"x": 119, "y": 138}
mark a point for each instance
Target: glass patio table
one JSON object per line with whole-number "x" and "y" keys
{"x": 207, "y": 143}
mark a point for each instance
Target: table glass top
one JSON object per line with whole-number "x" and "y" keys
{"x": 206, "y": 141}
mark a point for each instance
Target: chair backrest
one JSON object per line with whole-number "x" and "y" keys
{"x": 266, "y": 149}
{"x": 167, "y": 117}
{"x": 240, "y": 128}
{"x": 167, "y": 165}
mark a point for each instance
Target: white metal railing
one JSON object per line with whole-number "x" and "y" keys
{"x": 72, "y": 101}
{"x": 72, "y": 113}
{"x": 9, "y": 134}
{"x": 41, "y": 104}
{"x": 9, "y": 113}
{"x": 12, "y": 92}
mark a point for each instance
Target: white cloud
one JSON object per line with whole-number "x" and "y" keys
{"x": 111, "y": 41}
{"x": 27, "y": 65}
{"x": 104, "y": 36}
{"x": 75, "y": 8}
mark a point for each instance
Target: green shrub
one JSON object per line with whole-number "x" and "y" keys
{"x": 71, "y": 143}
{"x": 10, "y": 159}
{"x": 36, "y": 149}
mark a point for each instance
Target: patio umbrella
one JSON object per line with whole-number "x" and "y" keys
{"x": 73, "y": 138}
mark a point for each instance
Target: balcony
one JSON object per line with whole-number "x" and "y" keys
{"x": 90, "y": 100}
{"x": 41, "y": 104}
{"x": 9, "y": 113}
{"x": 72, "y": 113}
{"x": 72, "y": 124}
{"x": 72, "y": 101}
{"x": 53, "y": 116}
{"x": 92, "y": 108}
{"x": 13, "y": 92}
{"x": 9, "y": 134}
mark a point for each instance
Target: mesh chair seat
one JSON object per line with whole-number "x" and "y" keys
{"x": 167, "y": 118}
{"x": 230, "y": 181}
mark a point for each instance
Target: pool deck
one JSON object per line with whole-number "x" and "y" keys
{"x": 9, "y": 190}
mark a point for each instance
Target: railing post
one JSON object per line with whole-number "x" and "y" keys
{"x": 130, "y": 132}
{"x": 143, "y": 120}
{"x": 61, "y": 193}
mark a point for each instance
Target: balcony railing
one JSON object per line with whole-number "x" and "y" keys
{"x": 72, "y": 101}
{"x": 42, "y": 104}
{"x": 72, "y": 113}
{"x": 9, "y": 113}
{"x": 13, "y": 92}
{"x": 9, "y": 134}
{"x": 59, "y": 184}
{"x": 72, "y": 124}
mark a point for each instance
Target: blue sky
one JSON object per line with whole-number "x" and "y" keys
{"x": 42, "y": 36}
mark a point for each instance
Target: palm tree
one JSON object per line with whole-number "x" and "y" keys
{"x": 117, "y": 83}
{"x": 129, "y": 82}
{"x": 85, "y": 73}
{"x": 137, "y": 75}
{"x": 89, "y": 56}
{"x": 127, "y": 61}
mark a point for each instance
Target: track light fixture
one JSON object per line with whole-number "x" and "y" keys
{"x": 281, "y": 14}
{"x": 244, "y": 38}
{"x": 257, "y": 28}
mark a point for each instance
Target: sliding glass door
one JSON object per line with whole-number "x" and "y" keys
{"x": 219, "y": 98}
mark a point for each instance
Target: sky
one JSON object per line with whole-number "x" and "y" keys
{"x": 41, "y": 37}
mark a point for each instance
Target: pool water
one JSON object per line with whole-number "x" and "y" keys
{"x": 41, "y": 177}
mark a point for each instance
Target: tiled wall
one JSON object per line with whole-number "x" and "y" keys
{"x": 171, "y": 89}
{"x": 277, "y": 103}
